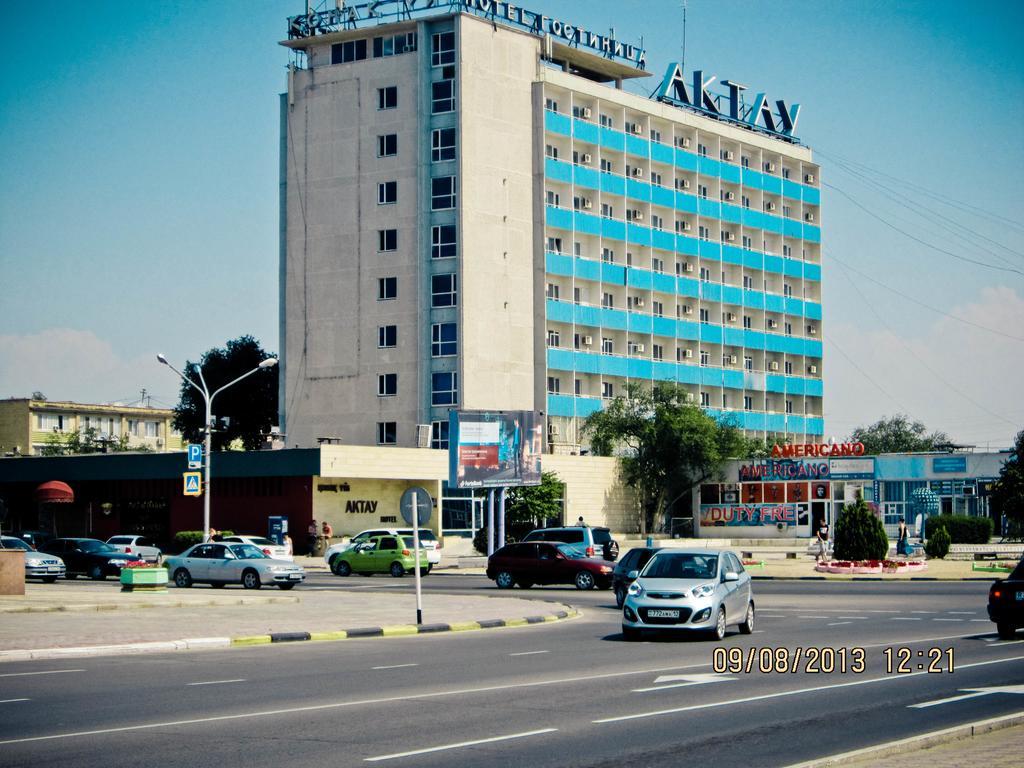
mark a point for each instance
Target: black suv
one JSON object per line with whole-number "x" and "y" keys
{"x": 1006, "y": 603}
{"x": 634, "y": 560}
{"x": 597, "y": 541}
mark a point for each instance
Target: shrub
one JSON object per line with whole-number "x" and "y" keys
{"x": 860, "y": 535}
{"x": 480, "y": 541}
{"x": 937, "y": 546}
{"x": 961, "y": 529}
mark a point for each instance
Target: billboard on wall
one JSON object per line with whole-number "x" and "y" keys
{"x": 752, "y": 514}
{"x": 494, "y": 449}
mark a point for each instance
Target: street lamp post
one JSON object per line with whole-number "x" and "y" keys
{"x": 205, "y": 392}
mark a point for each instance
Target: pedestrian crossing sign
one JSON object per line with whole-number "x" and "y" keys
{"x": 193, "y": 483}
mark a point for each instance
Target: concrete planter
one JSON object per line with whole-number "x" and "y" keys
{"x": 143, "y": 579}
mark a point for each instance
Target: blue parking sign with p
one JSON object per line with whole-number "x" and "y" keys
{"x": 195, "y": 455}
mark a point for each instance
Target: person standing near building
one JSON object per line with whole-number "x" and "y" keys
{"x": 902, "y": 540}
{"x": 311, "y": 533}
{"x": 822, "y": 538}
{"x": 328, "y": 532}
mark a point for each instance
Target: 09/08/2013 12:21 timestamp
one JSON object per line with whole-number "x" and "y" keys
{"x": 827, "y": 660}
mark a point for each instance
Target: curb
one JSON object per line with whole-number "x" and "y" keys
{"x": 915, "y": 743}
{"x": 205, "y": 643}
{"x": 102, "y": 607}
{"x": 869, "y": 578}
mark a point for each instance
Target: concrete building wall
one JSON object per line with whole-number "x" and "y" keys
{"x": 15, "y": 437}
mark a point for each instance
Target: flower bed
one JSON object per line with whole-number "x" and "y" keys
{"x": 870, "y": 566}
{"x": 139, "y": 576}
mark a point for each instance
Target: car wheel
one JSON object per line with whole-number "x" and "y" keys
{"x": 49, "y": 579}
{"x": 504, "y": 580}
{"x": 1006, "y": 631}
{"x": 251, "y": 579}
{"x": 525, "y": 584}
{"x": 718, "y": 633}
{"x": 620, "y": 596}
{"x": 285, "y": 587}
{"x": 584, "y": 580}
{"x": 747, "y": 627}
{"x": 424, "y": 571}
{"x": 397, "y": 570}
{"x": 341, "y": 567}
{"x": 182, "y": 578}
{"x": 96, "y": 573}
{"x": 630, "y": 633}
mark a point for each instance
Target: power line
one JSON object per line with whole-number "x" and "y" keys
{"x": 866, "y": 375}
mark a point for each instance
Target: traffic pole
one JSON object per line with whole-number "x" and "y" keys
{"x": 416, "y": 547}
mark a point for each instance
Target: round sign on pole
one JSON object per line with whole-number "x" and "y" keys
{"x": 424, "y": 505}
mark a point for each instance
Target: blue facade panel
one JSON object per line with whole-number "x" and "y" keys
{"x": 752, "y": 420}
{"x": 559, "y": 217}
{"x": 687, "y": 330}
{"x": 560, "y": 359}
{"x": 686, "y": 160}
{"x": 591, "y": 225}
{"x": 732, "y": 255}
{"x": 612, "y": 139}
{"x": 792, "y": 267}
{"x": 733, "y": 336}
{"x": 557, "y": 123}
{"x": 688, "y": 246}
{"x": 688, "y": 374}
{"x": 688, "y": 287}
{"x": 588, "y": 363}
{"x": 812, "y": 271}
{"x": 613, "y": 366}
{"x": 613, "y": 318}
{"x": 791, "y": 228}
{"x": 711, "y": 291}
{"x": 556, "y": 169}
{"x": 793, "y": 306}
{"x": 557, "y": 264}
{"x": 792, "y": 190}
{"x": 774, "y": 302}
{"x": 613, "y": 273}
{"x": 590, "y": 316}
{"x": 663, "y": 371}
{"x": 612, "y": 183}
{"x": 709, "y": 249}
{"x": 613, "y": 229}
{"x": 753, "y": 299}
{"x": 663, "y": 240}
{"x": 588, "y": 268}
{"x": 732, "y": 295}
{"x": 813, "y": 310}
{"x": 586, "y": 177}
{"x": 729, "y": 172}
{"x": 585, "y": 131}
{"x": 775, "y": 422}
{"x": 812, "y": 195}
{"x": 638, "y": 190}
{"x": 558, "y": 310}
{"x": 664, "y": 283}
{"x": 663, "y": 196}
{"x": 814, "y": 387}
{"x": 686, "y": 203}
{"x": 711, "y": 208}
{"x": 709, "y": 167}
{"x": 815, "y": 426}
{"x": 662, "y": 153}
{"x": 664, "y": 326}
{"x": 561, "y": 405}
{"x": 775, "y": 383}
{"x": 711, "y": 333}
{"x": 639, "y": 368}
{"x": 638, "y": 278}
{"x": 638, "y": 147}
{"x": 640, "y": 323}
{"x": 638, "y": 234}
{"x": 812, "y": 233}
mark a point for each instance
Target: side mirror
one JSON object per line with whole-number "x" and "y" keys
{"x": 633, "y": 575}
{"x": 731, "y": 576}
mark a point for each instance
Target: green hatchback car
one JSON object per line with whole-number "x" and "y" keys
{"x": 381, "y": 554}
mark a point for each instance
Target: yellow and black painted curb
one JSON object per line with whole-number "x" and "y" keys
{"x": 403, "y": 629}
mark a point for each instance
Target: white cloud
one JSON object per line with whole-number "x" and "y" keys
{"x": 76, "y": 365}
{"x": 986, "y": 370}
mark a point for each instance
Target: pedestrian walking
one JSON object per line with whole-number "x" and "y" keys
{"x": 327, "y": 531}
{"x": 288, "y": 544}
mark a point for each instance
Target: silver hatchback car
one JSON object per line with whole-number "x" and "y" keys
{"x": 705, "y": 591}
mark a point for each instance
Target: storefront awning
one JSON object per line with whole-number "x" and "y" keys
{"x": 54, "y": 491}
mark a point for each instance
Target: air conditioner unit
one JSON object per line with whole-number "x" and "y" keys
{"x": 687, "y": 353}
{"x": 586, "y": 113}
{"x": 773, "y": 365}
{"x": 684, "y": 183}
{"x": 587, "y": 203}
{"x": 683, "y": 142}
{"x": 686, "y": 227}
{"x": 588, "y": 341}
{"x": 811, "y": 330}
{"x": 729, "y": 155}
{"x": 637, "y": 129}
{"x": 553, "y": 429}
{"x": 587, "y": 158}
{"x": 687, "y": 309}
{"x": 730, "y": 195}
{"x": 812, "y": 369}
{"x": 638, "y": 301}
{"x": 732, "y": 317}
{"x": 639, "y": 347}
{"x": 809, "y": 178}
{"x": 809, "y": 216}
{"x": 690, "y": 398}
{"x": 769, "y": 206}
{"x": 638, "y": 216}
{"x": 773, "y": 324}
{"x": 769, "y": 167}
{"x": 732, "y": 359}
{"x": 638, "y": 173}
{"x": 730, "y": 237}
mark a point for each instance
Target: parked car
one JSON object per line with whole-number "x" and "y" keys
{"x": 704, "y": 591}
{"x": 140, "y": 547}
{"x": 542, "y": 562}
{"x": 1006, "y": 603}
{"x": 35, "y": 538}
{"x": 380, "y": 554}
{"x": 38, "y": 565}
{"x": 597, "y": 541}
{"x": 218, "y": 563}
{"x": 269, "y": 547}
{"x": 87, "y": 557}
{"x": 634, "y": 560}
{"x": 428, "y": 542}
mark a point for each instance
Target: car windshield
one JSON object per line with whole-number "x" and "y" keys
{"x": 261, "y": 542}
{"x": 120, "y": 540}
{"x": 247, "y": 552}
{"x": 92, "y": 545}
{"x": 572, "y": 551}
{"x": 425, "y": 534}
{"x": 601, "y": 535}
{"x": 673, "y": 565}
{"x": 9, "y": 542}
{"x": 409, "y": 541}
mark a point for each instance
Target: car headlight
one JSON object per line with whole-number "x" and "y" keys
{"x": 635, "y": 589}
{"x": 605, "y": 569}
{"x": 702, "y": 590}
{"x": 280, "y": 569}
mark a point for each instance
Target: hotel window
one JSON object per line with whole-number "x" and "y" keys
{"x": 343, "y": 53}
{"x": 725, "y": 400}
{"x": 551, "y": 291}
{"x": 577, "y": 387}
{"x": 554, "y": 385}
{"x": 789, "y": 329}
{"x": 607, "y": 211}
{"x": 748, "y": 282}
{"x": 554, "y": 338}
{"x": 657, "y": 309}
{"x": 577, "y": 295}
{"x": 747, "y": 322}
{"x": 702, "y": 191}
{"x": 748, "y": 363}
{"x": 745, "y": 201}
{"x": 575, "y": 341}
{"x": 439, "y": 434}
{"x": 443, "y": 290}
{"x": 442, "y": 141}
{"x": 607, "y": 346}
{"x": 726, "y": 361}
{"x": 703, "y": 232}
{"x": 705, "y": 275}
{"x": 657, "y": 351}
{"x": 387, "y": 145}
{"x": 387, "y": 193}
{"x": 748, "y": 242}
{"x": 443, "y": 241}
{"x": 705, "y": 399}
{"x": 787, "y": 211}
{"x": 552, "y": 198}
{"x": 705, "y": 358}
{"x": 656, "y": 136}
{"x": 442, "y": 49}
{"x": 787, "y": 250}
{"x": 442, "y": 96}
{"x": 745, "y": 161}
{"x": 657, "y": 222}
{"x": 387, "y": 239}
{"x": 387, "y": 384}
{"x": 555, "y": 244}
{"x": 787, "y": 289}
{"x": 551, "y": 151}
{"x": 607, "y": 166}
{"x": 702, "y": 150}
{"x": 394, "y": 45}
{"x": 607, "y": 121}
{"x": 607, "y": 390}
{"x": 607, "y": 301}
{"x": 789, "y": 406}
{"x": 785, "y": 173}
{"x": 387, "y": 98}
{"x": 444, "y": 388}
{"x": 656, "y": 179}
{"x": 705, "y": 316}
{"x": 748, "y": 403}
{"x": 49, "y": 422}
{"x": 387, "y": 432}
{"x": 657, "y": 265}
{"x": 789, "y": 368}
{"x": 550, "y": 105}
{"x": 387, "y": 336}
{"x": 387, "y": 288}
{"x": 443, "y": 340}
{"x": 608, "y": 255}
{"x": 442, "y": 193}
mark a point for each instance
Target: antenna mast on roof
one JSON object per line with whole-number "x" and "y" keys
{"x": 682, "y": 61}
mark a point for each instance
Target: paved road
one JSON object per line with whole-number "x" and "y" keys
{"x": 566, "y": 694}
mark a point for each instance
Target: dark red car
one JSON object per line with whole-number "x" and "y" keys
{"x": 1006, "y": 603}
{"x": 529, "y": 563}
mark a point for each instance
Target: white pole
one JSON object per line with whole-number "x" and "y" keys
{"x": 490, "y": 522}
{"x": 501, "y": 518}
{"x": 416, "y": 546}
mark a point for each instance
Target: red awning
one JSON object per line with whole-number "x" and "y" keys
{"x": 54, "y": 490}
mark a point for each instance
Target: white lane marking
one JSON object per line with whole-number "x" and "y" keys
{"x": 47, "y": 672}
{"x": 906, "y": 618}
{"x": 924, "y": 611}
{"x": 971, "y": 693}
{"x": 814, "y": 617}
{"x": 218, "y": 682}
{"x": 1007, "y": 642}
{"x": 528, "y": 653}
{"x": 880, "y": 611}
{"x": 396, "y": 666}
{"x": 757, "y": 632}
{"x": 698, "y": 679}
{"x": 961, "y": 613}
{"x": 11, "y": 701}
{"x": 459, "y": 745}
{"x": 984, "y": 620}
{"x": 947, "y": 619}
{"x": 838, "y": 623}
{"x": 771, "y": 616}
{"x": 851, "y": 617}
{"x": 781, "y": 694}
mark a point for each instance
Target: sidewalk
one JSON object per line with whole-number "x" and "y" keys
{"x": 52, "y": 619}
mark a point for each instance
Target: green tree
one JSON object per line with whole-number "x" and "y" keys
{"x": 898, "y": 434}
{"x": 1008, "y": 491}
{"x": 249, "y": 407}
{"x": 88, "y": 441}
{"x": 666, "y": 445}
{"x": 529, "y": 504}
{"x": 860, "y": 534}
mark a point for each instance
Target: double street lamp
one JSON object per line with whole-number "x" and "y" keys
{"x": 205, "y": 392}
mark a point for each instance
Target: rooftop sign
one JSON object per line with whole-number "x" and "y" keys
{"x": 757, "y": 115}
{"x": 357, "y": 15}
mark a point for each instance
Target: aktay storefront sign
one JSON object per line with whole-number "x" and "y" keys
{"x": 360, "y": 506}
{"x": 811, "y": 450}
{"x": 748, "y": 514}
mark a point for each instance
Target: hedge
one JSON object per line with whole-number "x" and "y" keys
{"x": 961, "y": 529}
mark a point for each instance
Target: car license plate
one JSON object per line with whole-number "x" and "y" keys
{"x": 657, "y": 613}
{"x": 294, "y": 576}
{"x": 1020, "y": 595}
{"x": 56, "y": 569}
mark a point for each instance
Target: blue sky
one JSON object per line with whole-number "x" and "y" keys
{"x": 138, "y": 187}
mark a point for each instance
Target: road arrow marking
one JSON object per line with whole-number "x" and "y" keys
{"x": 680, "y": 681}
{"x": 971, "y": 694}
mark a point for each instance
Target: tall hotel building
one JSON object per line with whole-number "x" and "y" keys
{"x": 476, "y": 215}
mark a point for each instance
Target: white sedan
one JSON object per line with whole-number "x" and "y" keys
{"x": 140, "y": 546}
{"x": 269, "y": 548}
{"x": 221, "y": 563}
